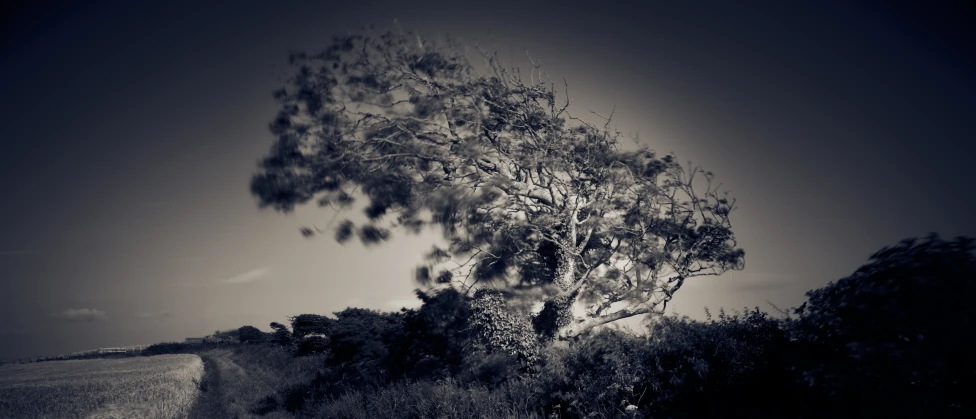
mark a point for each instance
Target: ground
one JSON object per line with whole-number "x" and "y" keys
{"x": 210, "y": 404}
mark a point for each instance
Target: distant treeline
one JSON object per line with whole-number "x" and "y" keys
{"x": 117, "y": 352}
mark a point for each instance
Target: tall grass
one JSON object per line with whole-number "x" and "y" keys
{"x": 263, "y": 381}
{"x": 162, "y": 386}
{"x": 256, "y": 379}
{"x": 424, "y": 399}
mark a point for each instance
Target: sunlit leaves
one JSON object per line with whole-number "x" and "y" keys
{"x": 502, "y": 328}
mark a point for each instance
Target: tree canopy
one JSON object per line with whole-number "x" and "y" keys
{"x": 529, "y": 197}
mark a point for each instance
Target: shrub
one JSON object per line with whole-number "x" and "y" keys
{"x": 894, "y": 337}
{"x": 736, "y": 366}
{"x": 731, "y": 367}
{"x": 306, "y": 324}
{"x": 360, "y": 342}
{"x": 280, "y": 335}
{"x": 168, "y": 348}
{"x": 592, "y": 376}
{"x": 251, "y": 334}
{"x": 490, "y": 369}
{"x": 436, "y": 338}
{"x": 504, "y": 329}
{"x": 311, "y": 345}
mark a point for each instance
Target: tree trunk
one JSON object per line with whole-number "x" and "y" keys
{"x": 582, "y": 326}
{"x": 557, "y": 311}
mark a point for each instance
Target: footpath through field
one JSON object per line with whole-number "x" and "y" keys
{"x": 210, "y": 403}
{"x": 229, "y": 390}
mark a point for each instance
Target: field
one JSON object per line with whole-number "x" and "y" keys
{"x": 163, "y": 386}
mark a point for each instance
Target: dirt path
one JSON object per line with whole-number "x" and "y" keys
{"x": 210, "y": 404}
{"x": 235, "y": 388}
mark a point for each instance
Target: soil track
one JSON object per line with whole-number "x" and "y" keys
{"x": 210, "y": 404}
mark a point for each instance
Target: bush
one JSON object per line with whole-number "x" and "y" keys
{"x": 489, "y": 369}
{"x": 730, "y": 367}
{"x": 168, "y": 348}
{"x": 895, "y": 337}
{"x": 280, "y": 335}
{"x": 307, "y": 324}
{"x": 592, "y": 376}
{"x": 436, "y": 338}
{"x": 504, "y": 329}
{"x": 311, "y": 345}
{"x": 736, "y": 366}
{"x": 251, "y": 334}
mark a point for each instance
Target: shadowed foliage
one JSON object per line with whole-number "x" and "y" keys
{"x": 280, "y": 334}
{"x": 251, "y": 334}
{"x": 897, "y": 333}
{"x": 890, "y": 340}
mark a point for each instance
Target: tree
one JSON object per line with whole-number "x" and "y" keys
{"x": 360, "y": 343}
{"x": 251, "y": 334}
{"x": 303, "y": 325}
{"x": 280, "y": 335}
{"x": 437, "y": 337}
{"x": 528, "y": 196}
{"x": 361, "y": 334}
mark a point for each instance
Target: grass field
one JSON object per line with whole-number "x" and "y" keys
{"x": 163, "y": 386}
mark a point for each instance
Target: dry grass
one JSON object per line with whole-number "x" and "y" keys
{"x": 163, "y": 386}
{"x": 250, "y": 375}
{"x": 431, "y": 400}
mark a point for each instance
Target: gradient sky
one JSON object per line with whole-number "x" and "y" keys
{"x": 130, "y": 133}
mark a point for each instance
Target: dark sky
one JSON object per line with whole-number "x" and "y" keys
{"x": 131, "y": 132}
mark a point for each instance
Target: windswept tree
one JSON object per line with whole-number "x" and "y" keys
{"x": 304, "y": 325}
{"x": 280, "y": 334}
{"x": 528, "y": 197}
